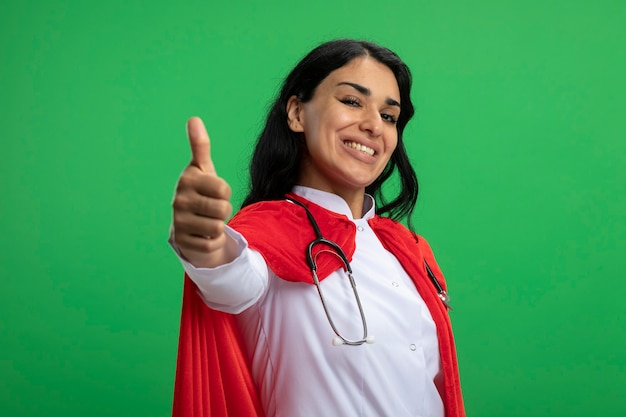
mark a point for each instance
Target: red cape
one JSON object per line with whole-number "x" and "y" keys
{"x": 212, "y": 375}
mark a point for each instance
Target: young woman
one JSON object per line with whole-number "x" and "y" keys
{"x": 314, "y": 300}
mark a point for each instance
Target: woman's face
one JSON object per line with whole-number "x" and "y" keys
{"x": 349, "y": 127}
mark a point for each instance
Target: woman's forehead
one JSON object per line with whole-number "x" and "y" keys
{"x": 367, "y": 72}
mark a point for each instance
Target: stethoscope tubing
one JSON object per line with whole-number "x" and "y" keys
{"x": 320, "y": 240}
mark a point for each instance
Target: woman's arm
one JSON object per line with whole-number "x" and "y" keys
{"x": 234, "y": 286}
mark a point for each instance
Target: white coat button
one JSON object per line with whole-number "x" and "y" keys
{"x": 412, "y": 346}
{"x": 360, "y": 228}
{"x": 395, "y": 284}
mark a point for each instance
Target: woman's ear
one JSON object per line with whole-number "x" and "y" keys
{"x": 294, "y": 114}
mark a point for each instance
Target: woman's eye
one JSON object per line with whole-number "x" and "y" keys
{"x": 390, "y": 118}
{"x": 351, "y": 101}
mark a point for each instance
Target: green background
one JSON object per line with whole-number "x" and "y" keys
{"x": 519, "y": 142}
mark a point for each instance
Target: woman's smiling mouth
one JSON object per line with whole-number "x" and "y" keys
{"x": 359, "y": 147}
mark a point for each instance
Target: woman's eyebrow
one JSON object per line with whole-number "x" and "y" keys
{"x": 367, "y": 92}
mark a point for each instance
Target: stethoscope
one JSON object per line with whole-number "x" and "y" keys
{"x": 337, "y": 251}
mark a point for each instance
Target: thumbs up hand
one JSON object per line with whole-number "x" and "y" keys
{"x": 202, "y": 205}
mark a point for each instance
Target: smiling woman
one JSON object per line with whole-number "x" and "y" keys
{"x": 349, "y": 129}
{"x": 256, "y": 337}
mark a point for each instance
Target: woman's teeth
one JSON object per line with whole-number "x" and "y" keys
{"x": 360, "y": 147}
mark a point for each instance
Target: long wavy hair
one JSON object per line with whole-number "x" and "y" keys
{"x": 275, "y": 163}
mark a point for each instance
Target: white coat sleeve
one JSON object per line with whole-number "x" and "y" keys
{"x": 232, "y": 287}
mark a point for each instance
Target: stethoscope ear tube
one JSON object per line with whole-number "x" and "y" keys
{"x": 443, "y": 295}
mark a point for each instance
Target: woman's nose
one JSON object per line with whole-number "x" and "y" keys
{"x": 372, "y": 123}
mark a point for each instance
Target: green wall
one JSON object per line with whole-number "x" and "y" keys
{"x": 519, "y": 142}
